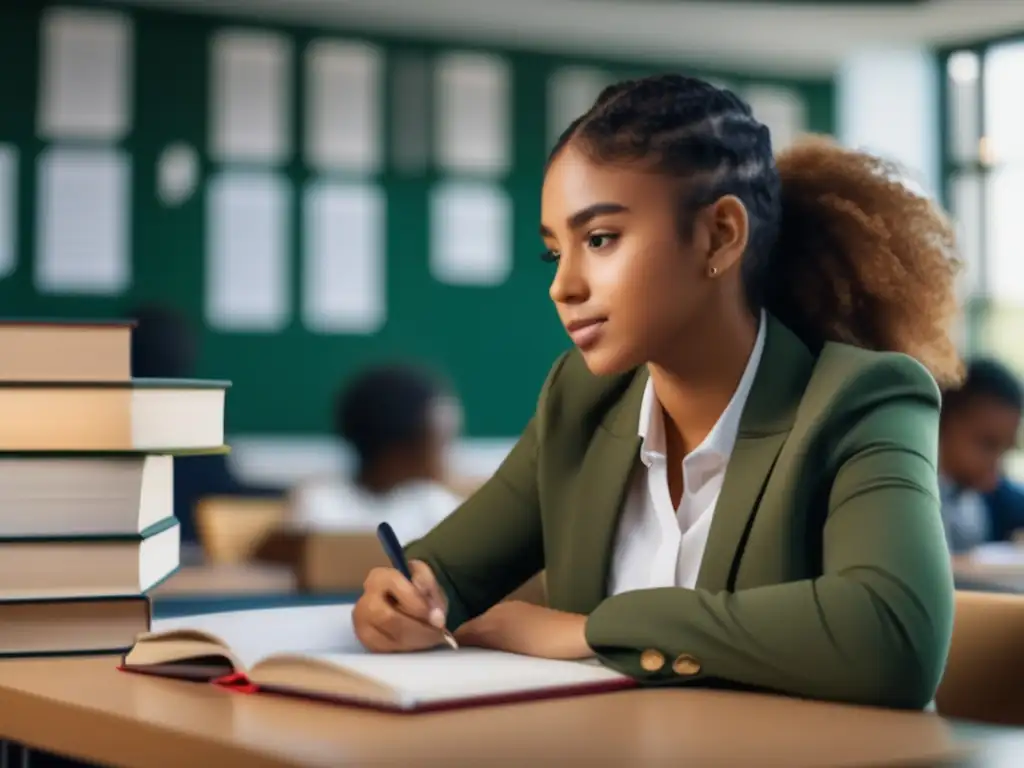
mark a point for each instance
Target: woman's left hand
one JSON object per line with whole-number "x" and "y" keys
{"x": 527, "y": 629}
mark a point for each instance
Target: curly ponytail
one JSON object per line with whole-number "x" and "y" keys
{"x": 861, "y": 259}
{"x": 839, "y": 248}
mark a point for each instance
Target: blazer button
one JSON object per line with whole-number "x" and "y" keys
{"x": 652, "y": 660}
{"x": 686, "y": 665}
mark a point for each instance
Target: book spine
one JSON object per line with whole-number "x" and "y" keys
{"x": 236, "y": 682}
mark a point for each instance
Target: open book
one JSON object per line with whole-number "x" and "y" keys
{"x": 313, "y": 652}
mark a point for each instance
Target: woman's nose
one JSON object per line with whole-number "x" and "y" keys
{"x": 569, "y": 285}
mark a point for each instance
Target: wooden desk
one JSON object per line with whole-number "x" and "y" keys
{"x": 226, "y": 579}
{"x": 86, "y": 709}
{"x": 1002, "y": 573}
{"x": 231, "y": 587}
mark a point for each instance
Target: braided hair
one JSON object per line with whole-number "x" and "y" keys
{"x": 839, "y": 248}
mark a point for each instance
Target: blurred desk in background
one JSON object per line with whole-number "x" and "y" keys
{"x": 996, "y": 567}
{"x": 227, "y": 587}
{"x": 229, "y": 579}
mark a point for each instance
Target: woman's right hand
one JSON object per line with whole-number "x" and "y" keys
{"x": 395, "y": 614}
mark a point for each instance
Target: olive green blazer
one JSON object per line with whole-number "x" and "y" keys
{"x": 826, "y": 572}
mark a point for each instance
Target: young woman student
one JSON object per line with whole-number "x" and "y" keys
{"x": 731, "y": 480}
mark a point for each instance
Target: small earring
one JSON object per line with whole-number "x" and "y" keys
{"x": 712, "y": 271}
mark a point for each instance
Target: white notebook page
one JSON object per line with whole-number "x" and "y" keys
{"x": 253, "y": 635}
{"x": 452, "y": 674}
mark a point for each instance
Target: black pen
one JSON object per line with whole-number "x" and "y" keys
{"x": 396, "y": 554}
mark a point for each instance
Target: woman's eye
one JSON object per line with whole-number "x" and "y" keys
{"x": 549, "y": 256}
{"x": 600, "y": 241}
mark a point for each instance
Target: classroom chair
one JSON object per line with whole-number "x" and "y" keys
{"x": 984, "y": 677}
{"x": 231, "y": 528}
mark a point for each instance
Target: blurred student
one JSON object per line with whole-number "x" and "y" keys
{"x": 164, "y": 346}
{"x": 400, "y": 423}
{"x": 1005, "y": 507}
{"x": 980, "y": 422}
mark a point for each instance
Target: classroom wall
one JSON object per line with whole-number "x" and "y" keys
{"x": 315, "y": 199}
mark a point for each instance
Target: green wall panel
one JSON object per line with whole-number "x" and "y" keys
{"x": 496, "y": 343}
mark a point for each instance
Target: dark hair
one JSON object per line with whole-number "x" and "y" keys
{"x": 385, "y": 407}
{"x": 163, "y": 344}
{"x": 839, "y": 248}
{"x": 987, "y": 378}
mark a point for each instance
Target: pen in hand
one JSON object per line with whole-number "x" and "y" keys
{"x": 396, "y": 554}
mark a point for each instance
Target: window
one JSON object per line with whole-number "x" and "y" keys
{"x": 984, "y": 160}
{"x": 984, "y": 164}
{"x": 963, "y": 77}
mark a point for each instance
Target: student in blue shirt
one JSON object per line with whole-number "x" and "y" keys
{"x": 979, "y": 425}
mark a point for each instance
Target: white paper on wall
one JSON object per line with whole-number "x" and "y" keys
{"x": 8, "y": 209}
{"x": 470, "y": 234}
{"x": 177, "y": 173}
{"x": 85, "y": 74}
{"x": 343, "y": 102}
{"x": 248, "y": 284}
{"x": 83, "y": 215}
{"x": 344, "y": 269}
{"x": 781, "y": 109}
{"x": 472, "y": 113}
{"x": 250, "y": 96}
{"x": 571, "y": 92}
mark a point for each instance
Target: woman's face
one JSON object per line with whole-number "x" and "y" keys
{"x": 628, "y": 287}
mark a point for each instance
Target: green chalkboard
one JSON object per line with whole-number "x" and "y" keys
{"x": 495, "y": 343}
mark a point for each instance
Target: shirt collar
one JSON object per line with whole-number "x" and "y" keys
{"x": 722, "y": 437}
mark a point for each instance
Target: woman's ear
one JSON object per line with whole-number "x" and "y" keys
{"x": 729, "y": 229}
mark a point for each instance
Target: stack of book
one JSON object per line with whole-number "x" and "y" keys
{"x": 87, "y": 524}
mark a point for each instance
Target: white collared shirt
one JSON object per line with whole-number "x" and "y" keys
{"x": 964, "y": 517}
{"x": 334, "y": 504}
{"x": 656, "y": 545}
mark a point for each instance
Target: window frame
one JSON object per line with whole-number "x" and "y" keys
{"x": 980, "y": 304}
{"x": 980, "y": 308}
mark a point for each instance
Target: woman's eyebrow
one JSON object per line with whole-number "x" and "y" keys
{"x": 585, "y": 215}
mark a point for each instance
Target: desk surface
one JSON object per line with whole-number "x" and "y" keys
{"x": 228, "y": 579}
{"x": 977, "y": 574}
{"x": 85, "y": 708}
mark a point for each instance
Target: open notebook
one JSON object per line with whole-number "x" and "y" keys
{"x": 313, "y": 652}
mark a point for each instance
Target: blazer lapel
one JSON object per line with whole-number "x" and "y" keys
{"x": 745, "y": 478}
{"x": 781, "y": 378}
{"x": 604, "y": 481}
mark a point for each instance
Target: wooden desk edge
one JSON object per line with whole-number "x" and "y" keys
{"x": 104, "y": 737}
{"x": 127, "y": 735}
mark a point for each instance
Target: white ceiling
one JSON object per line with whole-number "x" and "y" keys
{"x": 784, "y": 38}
